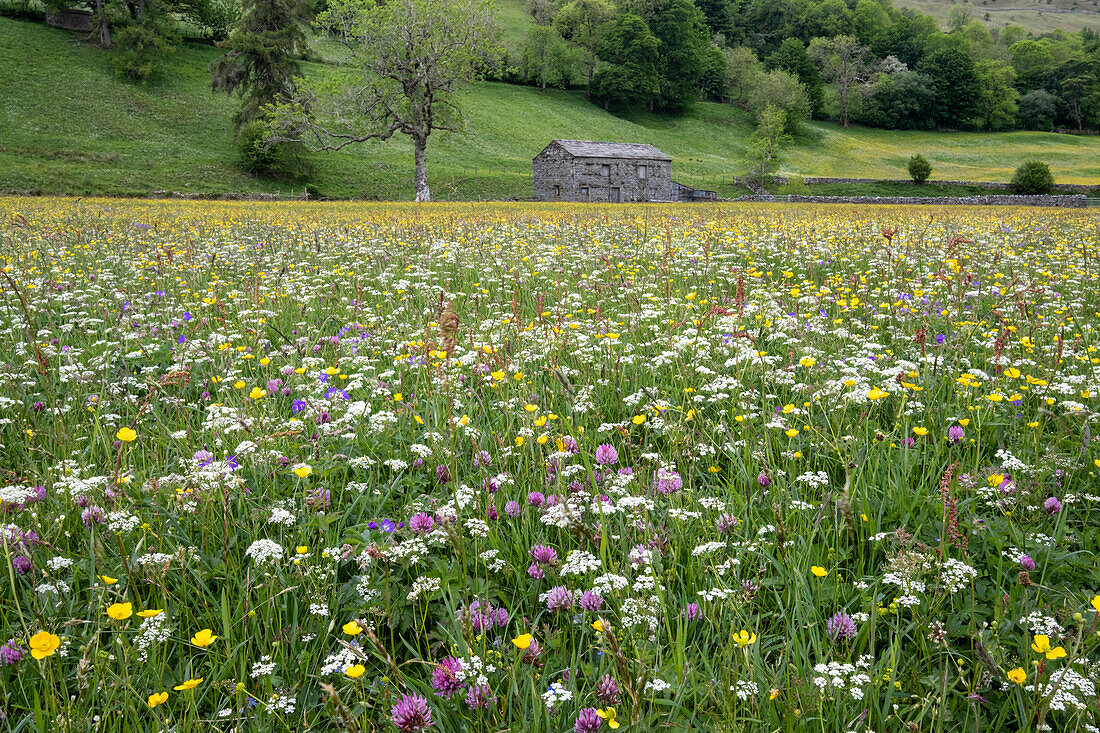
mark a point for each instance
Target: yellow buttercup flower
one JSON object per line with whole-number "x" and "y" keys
{"x": 1017, "y": 675}
{"x": 1041, "y": 645}
{"x": 608, "y": 714}
{"x": 126, "y": 434}
{"x": 819, "y": 571}
{"x": 44, "y": 644}
{"x": 638, "y": 419}
{"x": 1096, "y": 603}
{"x": 303, "y": 471}
{"x": 597, "y": 625}
{"x": 107, "y": 580}
{"x": 150, "y": 613}
{"x": 120, "y": 611}
{"x": 876, "y": 394}
{"x": 791, "y": 433}
{"x": 158, "y": 698}
{"x": 189, "y": 685}
{"x": 351, "y": 628}
{"x": 256, "y": 393}
{"x": 355, "y": 670}
{"x": 523, "y": 641}
{"x": 921, "y": 431}
{"x": 203, "y": 638}
{"x": 744, "y": 638}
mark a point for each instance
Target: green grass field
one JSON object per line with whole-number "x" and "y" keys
{"x": 1034, "y": 15}
{"x": 69, "y": 126}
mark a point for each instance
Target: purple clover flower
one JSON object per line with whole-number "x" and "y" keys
{"x": 591, "y": 601}
{"x": 445, "y": 680}
{"x": 411, "y": 714}
{"x": 607, "y": 690}
{"x": 559, "y": 599}
{"x": 606, "y": 455}
{"x": 588, "y": 721}
{"x": 841, "y": 627}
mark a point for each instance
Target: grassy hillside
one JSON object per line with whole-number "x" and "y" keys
{"x": 68, "y": 126}
{"x": 1034, "y": 15}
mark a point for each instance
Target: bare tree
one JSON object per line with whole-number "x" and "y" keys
{"x": 410, "y": 59}
{"x": 843, "y": 60}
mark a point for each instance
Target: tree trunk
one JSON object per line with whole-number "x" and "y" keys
{"x": 420, "y": 167}
{"x": 843, "y": 104}
{"x": 101, "y": 20}
{"x": 588, "y": 88}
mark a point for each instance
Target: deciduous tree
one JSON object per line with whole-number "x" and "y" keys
{"x": 410, "y": 60}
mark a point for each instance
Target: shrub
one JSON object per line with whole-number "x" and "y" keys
{"x": 275, "y": 160}
{"x": 919, "y": 168}
{"x": 1033, "y": 178}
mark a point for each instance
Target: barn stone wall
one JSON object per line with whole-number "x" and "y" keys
{"x": 594, "y": 179}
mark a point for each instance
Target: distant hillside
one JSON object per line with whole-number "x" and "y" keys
{"x": 68, "y": 125}
{"x": 1037, "y": 16}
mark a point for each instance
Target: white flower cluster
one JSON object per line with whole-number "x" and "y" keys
{"x": 153, "y": 630}
{"x": 745, "y": 689}
{"x": 475, "y": 670}
{"x": 338, "y": 661}
{"x": 580, "y": 562}
{"x": 657, "y": 685}
{"x": 423, "y": 585}
{"x": 836, "y": 677}
{"x": 281, "y": 516}
{"x": 607, "y": 584}
{"x": 555, "y": 694}
{"x": 262, "y": 551}
{"x": 263, "y": 667}
{"x": 816, "y": 480}
{"x": 956, "y": 575}
{"x": 1038, "y": 622}
{"x": 707, "y": 548}
{"x": 1068, "y": 689}
{"x": 122, "y": 521}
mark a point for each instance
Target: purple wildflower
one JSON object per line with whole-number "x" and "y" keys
{"x": 11, "y": 652}
{"x": 512, "y": 508}
{"x": 442, "y": 474}
{"x": 606, "y": 455}
{"x": 559, "y": 598}
{"x": 607, "y": 689}
{"x": 841, "y": 627}
{"x": 764, "y": 480}
{"x": 22, "y": 564}
{"x": 544, "y": 555}
{"x": 588, "y": 721}
{"x": 591, "y": 601}
{"x": 667, "y": 481}
{"x": 955, "y": 434}
{"x": 411, "y": 714}
{"x": 691, "y": 612}
{"x": 93, "y": 515}
{"x": 726, "y": 522}
{"x": 445, "y": 680}
{"x": 479, "y": 696}
{"x": 482, "y": 458}
{"x": 1052, "y": 505}
{"x": 421, "y": 523}
{"x": 536, "y": 572}
{"x": 535, "y": 498}
{"x": 1027, "y": 563}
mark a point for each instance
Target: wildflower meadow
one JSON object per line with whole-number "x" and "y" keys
{"x": 509, "y": 467}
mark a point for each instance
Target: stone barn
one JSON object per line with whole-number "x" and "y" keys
{"x": 581, "y": 170}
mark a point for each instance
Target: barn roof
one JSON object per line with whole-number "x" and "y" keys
{"x": 592, "y": 149}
